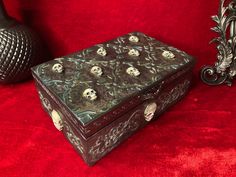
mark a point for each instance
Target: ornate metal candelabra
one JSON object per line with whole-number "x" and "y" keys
{"x": 224, "y": 69}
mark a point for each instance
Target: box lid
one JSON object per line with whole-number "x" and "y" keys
{"x": 94, "y": 81}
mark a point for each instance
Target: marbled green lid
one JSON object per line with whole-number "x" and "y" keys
{"x": 93, "y": 81}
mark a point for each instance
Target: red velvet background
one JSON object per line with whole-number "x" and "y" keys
{"x": 197, "y": 137}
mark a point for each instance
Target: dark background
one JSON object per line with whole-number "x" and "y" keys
{"x": 194, "y": 138}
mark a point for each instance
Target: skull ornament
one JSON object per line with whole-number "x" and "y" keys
{"x": 101, "y": 51}
{"x": 132, "y": 71}
{"x": 58, "y": 68}
{"x": 134, "y": 53}
{"x": 57, "y": 121}
{"x": 149, "y": 112}
{"x": 96, "y": 70}
{"x": 90, "y": 94}
{"x": 133, "y": 39}
{"x": 168, "y": 54}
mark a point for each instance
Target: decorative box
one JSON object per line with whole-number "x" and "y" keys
{"x": 100, "y": 96}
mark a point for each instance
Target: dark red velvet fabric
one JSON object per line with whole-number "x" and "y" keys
{"x": 197, "y": 137}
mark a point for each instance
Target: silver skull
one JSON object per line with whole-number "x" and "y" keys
{"x": 96, "y": 70}
{"x": 168, "y": 54}
{"x": 150, "y": 111}
{"x": 133, "y": 71}
{"x": 58, "y": 68}
{"x": 90, "y": 94}
{"x": 101, "y": 51}
{"x": 134, "y": 53}
{"x": 133, "y": 39}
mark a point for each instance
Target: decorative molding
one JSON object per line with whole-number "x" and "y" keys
{"x": 167, "y": 98}
{"x": 224, "y": 69}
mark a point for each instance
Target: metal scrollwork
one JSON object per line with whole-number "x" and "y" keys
{"x": 224, "y": 69}
{"x": 105, "y": 143}
{"x": 75, "y": 141}
{"x": 167, "y": 98}
{"x": 45, "y": 102}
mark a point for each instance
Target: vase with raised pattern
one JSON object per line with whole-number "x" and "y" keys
{"x": 20, "y": 49}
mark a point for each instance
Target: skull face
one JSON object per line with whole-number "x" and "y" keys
{"x": 101, "y": 51}
{"x": 168, "y": 54}
{"x": 57, "y": 121}
{"x": 90, "y": 94}
{"x": 58, "y": 68}
{"x": 134, "y": 53}
{"x": 96, "y": 70}
{"x": 150, "y": 111}
{"x": 133, "y": 71}
{"x": 133, "y": 39}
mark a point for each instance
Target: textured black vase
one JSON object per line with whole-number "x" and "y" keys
{"x": 20, "y": 49}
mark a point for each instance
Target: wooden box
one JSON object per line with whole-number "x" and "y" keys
{"x": 100, "y": 96}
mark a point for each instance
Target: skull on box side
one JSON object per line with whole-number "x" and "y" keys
{"x": 150, "y": 110}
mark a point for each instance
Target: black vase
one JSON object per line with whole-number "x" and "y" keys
{"x": 20, "y": 49}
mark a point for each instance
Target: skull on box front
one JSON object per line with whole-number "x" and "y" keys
{"x": 150, "y": 111}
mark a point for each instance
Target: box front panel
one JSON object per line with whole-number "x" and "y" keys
{"x": 99, "y": 144}
{"x": 123, "y": 108}
{"x": 108, "y": 138}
